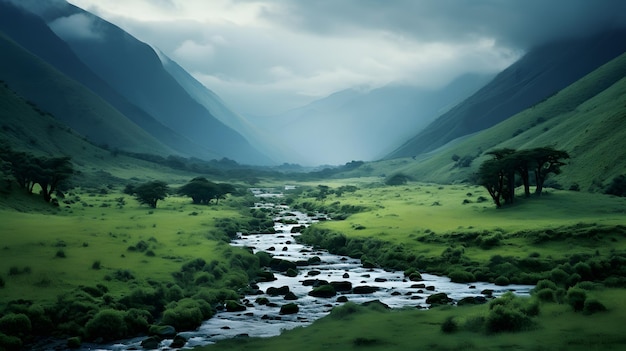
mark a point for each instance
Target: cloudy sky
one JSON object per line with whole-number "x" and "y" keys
{"x": 266, "y": 56}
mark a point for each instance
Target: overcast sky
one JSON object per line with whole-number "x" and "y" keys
{"x": 266, "y": 56}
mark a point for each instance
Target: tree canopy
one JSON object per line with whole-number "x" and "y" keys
{"x": 29, "y": 170}
{"x": 150, "y": 192}
{"x": 497, "y": 175}
{"x": 202, "y": 191}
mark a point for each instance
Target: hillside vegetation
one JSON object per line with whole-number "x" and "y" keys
{"x": 585, "y": 119}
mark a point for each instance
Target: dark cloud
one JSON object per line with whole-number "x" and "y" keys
{"x": 520, "y": 24}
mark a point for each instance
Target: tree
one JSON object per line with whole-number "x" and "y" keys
{"x": 200, "y": 190}
{"x": 50, "y": 173}
{"x": 546, "y": 160}
{"x": 223, "y": 189}
{"x": 491, "y": 176}
{"x": 151, "y": 192}
{"x": 508, "y": 164}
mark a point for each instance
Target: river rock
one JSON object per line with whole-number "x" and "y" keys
{"x": 290, "y": 296}
{"x": 342, "y": 299}
{"x": 272, "y": 291}
{"x": 151, "y": 343}
{"x": 487, "y": 292}
{"x": 418, "y": 286}
{"x": 314, "y": 282}
{"x": 415, "y": 277}
{"x": 376, "y": 303}
{"x": 262, "y": 300}
{"x": 178, "y": 342}
{"x": 472, "y": 300}
{"x": 346, "y": 276}
{"x": 438, "y": 299}
{"x": 323, "y": 291}
{"x": 162, "y": 331}
{"x": 234, "y": 306}
{"x": 290, "y": 308}
{"x": 313, "y": 273}
{"x": 365, "y": 289}
{"x": 342, "y": 285}
{"x": 380, "y": 280}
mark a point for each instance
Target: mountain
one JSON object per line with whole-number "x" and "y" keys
{"x": 587, "y": 119}
{"x": 536, "y": 76}
{"x": 361, "y": 123}
{"x": 71, "y": 102}
{"x": 32, "y": 33}
{"x": 134, "y": 71}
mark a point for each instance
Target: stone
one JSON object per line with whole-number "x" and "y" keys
{"x": 178, "y": 342}
{"x": 342, "y": 285}
{"x": 376, "y": 303}
{"x": 162, "y": 331}
{"x": 324, "y": 291}
{"x": 151, "y": 343}
{"x": 290, "y": 308}
{"x": 273, "y": 291}
{"x": 438, "y": 299}
{"x": 342, "y": 299}
{"x": 290, "y": 296}
{"x": 365, "y": 289}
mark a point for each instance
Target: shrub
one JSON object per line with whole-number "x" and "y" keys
{"x": 617, "y": 186}
{"x": 449, "y": 325}
{"x": 576, "y": 298}
{"x": 502, "y": 281}
{"x": 546, "y": 295}
{"x": 73, "y": 343}
{"x": 107, "y": 324}
{"x": 137, "y": 321}
{"x": 10, "y": 343}
{"x": 592, "y": 306}
{"x": 15, "y": 324}
{"x": 60, "y": 254}
{"x": 186, "y": 314}
{"x": 96, "y": 265}
{"x": 460, "y": 276}
{"x": 503, "y": 318}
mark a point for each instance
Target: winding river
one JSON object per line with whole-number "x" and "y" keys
{"x": 265, "y": 320}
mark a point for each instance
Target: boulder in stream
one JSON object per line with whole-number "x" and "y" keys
{"x": 290, "y": 308}
{"x": 342, "y": 285}
{"x": 273, "y": 291}
{"x": 325, "y": 291}
{"x": 365, "y": 289}
{"x": 151, "y": 343}
{"x": 438, "y": 299}
{"x": 178, "y": 342}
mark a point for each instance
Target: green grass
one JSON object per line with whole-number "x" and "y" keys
{"x": 88, "y": 232}
{"x": 557, "y": 328}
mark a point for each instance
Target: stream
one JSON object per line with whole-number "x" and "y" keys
{"x": 367, "y": 284}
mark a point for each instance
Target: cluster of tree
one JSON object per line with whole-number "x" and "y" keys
{"x": 199, "y": 189}
{"x": 497, "y": 175}
{"x": 28, "y": 170}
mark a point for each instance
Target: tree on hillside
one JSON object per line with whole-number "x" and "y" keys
{"x": 51, "y": 173}
{"x": 546, "y": 160}
{"x": 491, "y": 176}
{"x": 28, "y": 170}
{"x": 151, "y": 192}
{"x": 497, "y": 175}
{"x": 202, "y": 191}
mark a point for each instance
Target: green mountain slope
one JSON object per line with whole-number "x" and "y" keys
{"x": 535, "y": 77}
{"x": 587, "y": 119}
{"x": 70, "y": 102}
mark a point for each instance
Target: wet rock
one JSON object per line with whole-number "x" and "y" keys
{"x": 162, "y": 331}
{"x": 285, "y": 248}
{"x": 415, "y": 277}
{"x": 313, "y": 273}
{"x": 262, "y": 300}
{"x": 342, "y": 299}
{"x": 280, "y": 265}
{"x": 396, "y": 293}
{"x": 234, "y": 306}
{"x": 365, "y": 289}
{"x": 487, "y": 292}
{"x": 472, "y": 300}
{"x": 290, "y": 296}
{"x": 380, "y": 280}
{"x": 273, "y": 291}
{"x": 271, "y": 248}
{"x": 178, "y": 342}
{"x": 290, "y": 308}
{"x": 264, "y": 276}
{"x": 342, "y": 285}
{"x": 314, "y": 260}
{"x": 430, "y": 288}
{"x": 314, "y": 282}
{"x": 324, "y": 291}
{"x": 346, "y": 276}
{"x": 291, "y": 272}
{"x": 151, "y": 343}
{"x": 438, "y": 299}
{"x": 418, "y": 286}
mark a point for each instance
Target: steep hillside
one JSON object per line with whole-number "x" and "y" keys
{"x": 538, "y": 75}
{"x": 364, "y": 124}
{"x": 32, "y": 33}
{"x": 134, "y": 70}
{"x": 587, "y": 119}
{"x": 71, "y": 102}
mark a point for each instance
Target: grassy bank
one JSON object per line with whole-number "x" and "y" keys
{"x": 103, "y": 252}
{"x": 572, "y": 243}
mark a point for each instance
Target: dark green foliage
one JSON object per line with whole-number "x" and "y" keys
{"x": 502, "y": 281}
{"x": 547, "y": 295}
{"x": 460, "y": 276}
{"x": 15, "y": 324}
{"x": 186, "y": 314}
{"x": 510, "y": 313}
{"x": 576, "y": 298}
{"x": 617, "y": 186}
{"x": 151, "y": 192}
{"x": 73, "y": 342}
{"x": 202, "y": 191}
{"x": 323, "y": 291}
{"x": 10, "y": 343}
{"x": 107, "y": 324}
{"x": 397, "y": 179}
{"x": 592, "y": 306}
{"x": 344, "y": 311}
{"x": 60, "y": 254}
{"x": 449, "y": 325}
